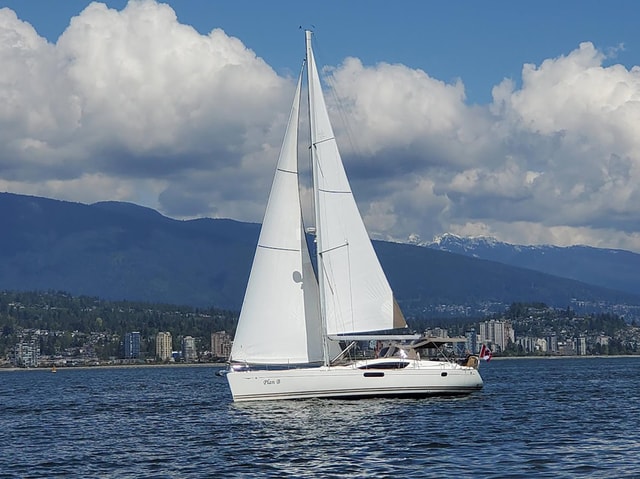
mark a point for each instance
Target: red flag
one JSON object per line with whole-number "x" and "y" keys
{"x": 485, "y": 353}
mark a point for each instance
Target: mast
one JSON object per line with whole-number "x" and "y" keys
{"x": 312, "y": 70}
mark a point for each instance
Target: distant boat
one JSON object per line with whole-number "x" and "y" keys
{"x": 53, "y": 369}
{"x": 300, "y": 327}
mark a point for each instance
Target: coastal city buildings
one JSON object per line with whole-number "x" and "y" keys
{"x": 472, "y": 341}
{"x": 164, "y": 346}
{"x": 132, "y": 345}
{"x": 189, "y": 353}
{"x": 26, "y": 354}
{"x": 581, "y": 346}
{"x": 220, "y": 345}
{"x": 534, "y": 331}
{"x": 532, "y": 345}
{"x": 497, "y": 334}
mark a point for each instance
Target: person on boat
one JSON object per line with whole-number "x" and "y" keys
{"x": 470, "y": 360}
{"x": 465, "y": 361}
{"x": 378, "y": 348}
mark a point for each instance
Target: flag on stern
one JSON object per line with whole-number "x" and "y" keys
{"x": 485, "y": 353}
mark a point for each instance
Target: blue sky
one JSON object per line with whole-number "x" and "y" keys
{"x": 517, "y": 120}
{"x": 480, "y": 42}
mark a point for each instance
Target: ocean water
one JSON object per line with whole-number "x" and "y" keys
{"x": 534, "y": 418}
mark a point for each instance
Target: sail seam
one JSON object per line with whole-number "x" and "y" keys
{"x": 342, "y": 192}
{"x": 276, "y": 248}
{"x": 293, "y": 172}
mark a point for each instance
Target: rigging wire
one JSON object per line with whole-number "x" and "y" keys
{"x": 338, "y": 103}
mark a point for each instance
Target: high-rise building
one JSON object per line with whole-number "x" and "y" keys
{"x": 164, "y": 345}
{"x": 27, "y": 354}
{"x": 472, "y": 341}
{"x": 132, "y": 345}
{"x": 527, "y": 343}
{"x": 542, "y": 345}
{"x": 497, "y": 333}
{"x": 189, "y": 353}
{"x": 220, "y": 344}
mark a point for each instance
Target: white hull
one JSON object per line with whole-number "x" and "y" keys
{"x": 419, "y": 378}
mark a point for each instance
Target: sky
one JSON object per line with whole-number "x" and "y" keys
{"x": 515, "y": 120}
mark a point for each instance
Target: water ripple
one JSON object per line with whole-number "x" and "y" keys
{"x": 535, "y": 418}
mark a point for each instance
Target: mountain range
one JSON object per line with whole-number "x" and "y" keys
{"x": 609, "y": 268}
{"x": 121, "y": 251}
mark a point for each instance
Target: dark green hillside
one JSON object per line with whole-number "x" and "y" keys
{"x": 123, "y": 252}
{"x": 422, "y": 276}
{"x": 65, "y": 321}
{"x": 120, "y": 251}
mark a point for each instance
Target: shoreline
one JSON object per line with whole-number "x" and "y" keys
{"x": 115, "y": 366}
{"x": 574, "y": 356}
{"x": 223, "y": 365}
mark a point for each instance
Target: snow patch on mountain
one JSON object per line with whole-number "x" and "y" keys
{"x": 615, "y": 269}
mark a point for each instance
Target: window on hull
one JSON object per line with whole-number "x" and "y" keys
{"x": 386, "y": 365}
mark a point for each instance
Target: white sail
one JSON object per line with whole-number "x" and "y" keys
{"x": 280, "y": 321}
{"x": 356, "y": 295}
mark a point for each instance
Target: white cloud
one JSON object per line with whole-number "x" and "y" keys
{"x": 569, "y": 160}
{"x": 132, "y": 105}
{"x": 399, "y": 113}
{"x": 152, "y": 84}
{"x": 559, "y": 154}
{"x": 134, "y": 94}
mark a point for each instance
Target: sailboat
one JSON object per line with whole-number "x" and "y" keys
{"x": 302, "y": 326}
